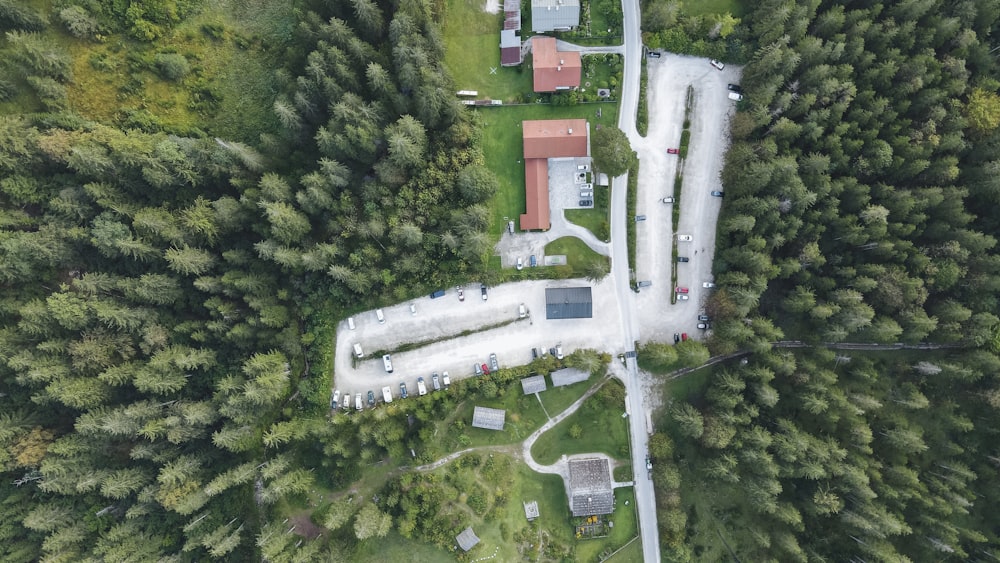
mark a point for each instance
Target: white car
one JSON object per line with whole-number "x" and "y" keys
{"x": 685, "y": 238}
{"x": 413, "y": 309}
{"x": 717, "y": 64}
{"x": 707, "y": 284}
{"x": 522, "y": 311}
{"x": 668, "y": 199}
{"x": 387, "y": 394}
{"x": 682, "y": 297}
{"x": 520, "y": 263}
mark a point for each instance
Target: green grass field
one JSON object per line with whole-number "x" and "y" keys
{"x": 603, "y": 431}
{"x": 704, "y": 7}
{"x": 632, "y": 553}
{"x": 472, "y": 49}
{"x": 504, "y": 149}
{"x": 578, "y": 255}
{"x": 622, "y": 533}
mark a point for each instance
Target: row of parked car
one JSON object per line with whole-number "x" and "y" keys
{"x": 438, "y": 382}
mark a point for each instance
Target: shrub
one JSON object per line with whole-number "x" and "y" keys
{"x": 79, "y": 22}
{"x": 171, "y": 66}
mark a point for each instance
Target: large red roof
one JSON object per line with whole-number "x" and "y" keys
{"x": 554, "y": 70}
{"x": 536, "y": 195}
{"x": 554, "y": 138}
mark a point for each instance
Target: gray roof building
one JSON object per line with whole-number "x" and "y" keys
{"x": 531, "y": 510}
{"x": 568, "y": 376}
{"x": 590, "y": 487}
{"x": 533, "y": 384}
{"x": 568, "y": 303}
{"x": 554, "y": 15}
{"x": 467, "y": 539}
{"x": 487, "y": 418}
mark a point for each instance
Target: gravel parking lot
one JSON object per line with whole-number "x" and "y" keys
{"x": 669, "y": 78}
{"x": 446, "y": 316}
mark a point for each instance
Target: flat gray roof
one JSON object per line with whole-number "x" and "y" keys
{"x": 568, "y": 376}
{"x": 487, "y": 418}
{"x": 467, "y": 539}
{"x": 568, "y": 303}
{"x": 531, "y": 510}
{"x": 533, "y": 384}
{"x": 549, "y": 15}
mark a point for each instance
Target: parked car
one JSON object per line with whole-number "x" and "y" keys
{"x": 534, "y": 353}
{"x": 436, "y": 381}
{"x": 522, "y": 311}
{"x": 703, "y": 318}
{"x": 649, "y": 463}
{"x": 685, "y": 238}
{"x": 371, "y": 398}
{"x": 387, "y": 362}
{"x": 679, "y": 289}
{"x": 735, "y": 97}
{"x": 644, "y": 283}
{"x": 482, "y": 289}
{"x": 478, "y": 368}
{"x": 461, "y": 293}
{"x": 532, "y": 261}
{"x": 380, "y": 316}
{"x": 520, "y": 263}
{"x": 335, "y": 401}
{"x": 682, "y": 297}
{"x": 446, "y": 380}
{"x": 347, "y": 401}
{"x": 653, "y": 54}
{"x": 586, "y": 203}
{"x": 587, "y": 194}
{"x": 673, "y": 151}
{"x": 682, "y": 259}
{"x": 510, "y": 227}
{"x": 402, "y": 390}
{"x": 559, "y": 354}
{"x": 684, "y": 337}
{"x": 717, "y": 193}
{"x": 717, "y": 64}
{"x": 387, "y": 394}
{"x": 640, "y": 218}
{"x": 735, "y": 88}
{"x": 350, "y": 323}
{"x": 358, "y": 353}
{"x": 359, "y": 402}
{"x": 486, "y": 369}
{"x": 707, "y": 284}
{"x": 413, "y": 309}
{"x": 421, "y": 387}
{"x": 703, "y": 326}
{"x": 494, "y": 363}
{"x": 438, "y": 293}
{"x": 668, "y": 199}
{"x": 677, "y": 337}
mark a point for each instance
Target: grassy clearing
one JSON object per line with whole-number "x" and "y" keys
{"x": 472, "y": 48}
{"x": 579, "y": 256}
{"x": 642, "y": 113}
{"x": 622, "y": 533}
{"x": 558, "y": 399}
{"x": 504, "y": 148}
{"x": 705, "y": 7}
{"x": 632, "y": 553}
{"x": 602, "y": 430}
{"x": 630, "y": 202}
{"x": 395, "y": 547}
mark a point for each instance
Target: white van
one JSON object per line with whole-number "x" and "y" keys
{"x": 359, "y": 402}
{"x": 357, "y": 351}
{"x": 347, "y": 401}
{"x": 350, "y": 323}
{"x": 380, "y": 316}
{"x": 387, "y": 394}
{"x": 387, "y": 361}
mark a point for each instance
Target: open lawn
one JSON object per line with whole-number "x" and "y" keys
{"x": 602, "y": 430}
{"x": 595, "y": 220}
{"x": 704, "y": 7}
{"x": 472, "y": 49}
{"x": 578, "y": 255}
{"x": 504, "y": 148}
{"x": 395, "y": 547}
{"x": 631, "y": 553}
{"x": 622, "y": 533}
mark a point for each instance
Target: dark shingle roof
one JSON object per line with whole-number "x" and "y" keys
{"x": 590, "y": 487}
{"x": 490, "y": 419}
{"x": 568, "y": 303}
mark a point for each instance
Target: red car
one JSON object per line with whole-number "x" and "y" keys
{"x": 672, "y": 151}
{"x": 681, "y": 290}
{"x": 684, "y": 336}
{"x": 486, "y": 369}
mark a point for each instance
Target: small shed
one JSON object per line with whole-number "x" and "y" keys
{"x": 531, "y": 510}
{"x": 467, "y": 539}
{"x": 487, "y": 418}
{"x": 568, "y": 376}
{"x": 533, "y": 384}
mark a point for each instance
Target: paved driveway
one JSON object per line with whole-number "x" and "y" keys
{"x": 446, "y": 317}
{"x": 669, "y": 78}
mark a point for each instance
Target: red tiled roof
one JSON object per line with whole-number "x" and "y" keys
{"x": 554, "y": 138}
{"x": 536, "y": 192}
{"x": 554, "y": 70}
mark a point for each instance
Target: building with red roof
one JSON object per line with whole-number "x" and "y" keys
{"x": 554, "y": 70}
{"x": 545, "y": 139}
